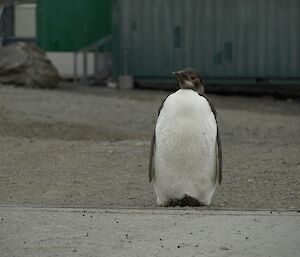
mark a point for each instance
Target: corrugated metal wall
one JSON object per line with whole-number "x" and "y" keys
{"x": 69, "y": 25}
{"x": 221, "y": 38}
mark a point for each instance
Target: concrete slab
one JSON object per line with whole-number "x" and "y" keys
{"x": 30, "y": 231}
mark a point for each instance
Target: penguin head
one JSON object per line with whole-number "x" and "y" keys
{"x": 189, "y": 78}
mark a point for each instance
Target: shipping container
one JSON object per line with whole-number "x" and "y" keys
{"x": 224, "y": 39}
{"x": 69, "y": 25}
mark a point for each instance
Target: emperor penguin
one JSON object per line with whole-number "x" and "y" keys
{"x": 185, "y": 164}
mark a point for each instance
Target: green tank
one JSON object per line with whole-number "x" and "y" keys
{"x": 69, "y": 25}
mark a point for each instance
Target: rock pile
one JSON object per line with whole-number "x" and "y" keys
{"x": 27, "y": 65}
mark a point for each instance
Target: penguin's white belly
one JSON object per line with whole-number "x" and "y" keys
{"x": 185, "y": 155}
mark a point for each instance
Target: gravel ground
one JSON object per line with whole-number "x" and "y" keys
{"x": 90, "y": 146}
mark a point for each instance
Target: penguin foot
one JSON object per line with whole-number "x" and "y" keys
{"x": 185, "y": 201}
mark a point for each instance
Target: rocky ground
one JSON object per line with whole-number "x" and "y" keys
{"x": 90, "y": 146}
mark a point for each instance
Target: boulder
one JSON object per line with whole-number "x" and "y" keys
{"x": 26, "y": 65}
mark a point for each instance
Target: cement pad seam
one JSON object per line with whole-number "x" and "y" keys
{"x": 147, "y": 211}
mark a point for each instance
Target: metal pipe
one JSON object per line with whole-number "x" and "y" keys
{"x": 104, "y": 42}
{"x": 85, "y": 68}
{"x": 96, "y": 64}
{"x": 75, "y": 68}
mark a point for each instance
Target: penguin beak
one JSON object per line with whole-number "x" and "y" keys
{"x": 178, "y": 75}
{"x": 176, "y": 72}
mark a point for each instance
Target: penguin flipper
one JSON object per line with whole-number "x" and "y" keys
{"x": 219, "y": 158}
{"x": 151, "y": 173}
{"x": 151, "y": 160}
{"x": 218, "y": 143}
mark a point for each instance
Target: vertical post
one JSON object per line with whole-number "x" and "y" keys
{"x": 107, "y": 64}
{"x": 75, "y": 68}
{"x": 85, "y": 67}
{"x": 8, "y": 19}
{"x": 1, "y": 26}
{"x": 96, "y": 64}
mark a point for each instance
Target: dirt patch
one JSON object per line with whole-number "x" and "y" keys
{"x": 61, "y": 131}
